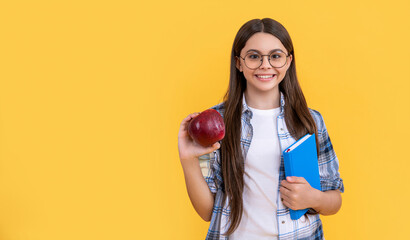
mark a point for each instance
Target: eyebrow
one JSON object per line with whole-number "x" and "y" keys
{"x": 271, "y": 51}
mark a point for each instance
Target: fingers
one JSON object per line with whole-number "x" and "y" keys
{"x": 287, "y": 201}
{"x": 216, "y": 145}
{"x": 296, "y": 179}
{"x": 213, "y": 147}
{"x": 286, "y": 198}
{"x": 190, "y": 116}
{"x": 286, "y": 184}
{"x": 284, "y": 191}
{"x": 186, "y": 120}
{"x": 205, "y": 150}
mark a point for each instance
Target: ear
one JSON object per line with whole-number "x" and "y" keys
{"x": 290, "y": 59}
{"x": 238, "y": 63}
{"x": 289, "y": 62}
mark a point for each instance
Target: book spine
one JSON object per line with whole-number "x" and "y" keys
{"x": 288, "y": 166}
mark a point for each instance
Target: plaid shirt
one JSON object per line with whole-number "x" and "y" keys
{"x": 308, "y": 226}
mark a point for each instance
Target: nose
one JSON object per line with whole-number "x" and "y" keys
{"x": 265, "y": 62}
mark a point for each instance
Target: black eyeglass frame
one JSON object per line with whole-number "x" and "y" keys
{"x": 268, "y": 55}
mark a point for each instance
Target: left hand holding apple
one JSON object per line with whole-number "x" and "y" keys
{"x": 296, "y": 193}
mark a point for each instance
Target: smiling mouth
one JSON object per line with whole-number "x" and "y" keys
{"x": 265, "y": 76}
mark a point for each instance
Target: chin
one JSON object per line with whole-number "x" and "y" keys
{"x": 268, "y": 87}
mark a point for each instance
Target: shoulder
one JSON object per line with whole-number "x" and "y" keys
{"x": 220, "y": 108}
{"x": 318, "y": 118}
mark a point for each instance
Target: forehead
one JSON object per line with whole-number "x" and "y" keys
{"x": 264, "y": 42}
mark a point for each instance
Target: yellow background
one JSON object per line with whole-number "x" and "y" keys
{"x": 92, "y": 94}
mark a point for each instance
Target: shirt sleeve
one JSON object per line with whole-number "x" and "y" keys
{"x": 328, "y": 162}
{"x": 208, "y": 164}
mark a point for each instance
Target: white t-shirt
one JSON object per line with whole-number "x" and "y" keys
{"x": 261, "y": 179}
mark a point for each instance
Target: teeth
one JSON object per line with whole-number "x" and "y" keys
{"x": 268, "y": 76}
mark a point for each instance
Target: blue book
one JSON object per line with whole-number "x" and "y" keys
{"x": 301, "y": 160}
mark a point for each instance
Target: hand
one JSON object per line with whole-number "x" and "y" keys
{"x": 296, "y": 193}
{"x": 187, "y": 147}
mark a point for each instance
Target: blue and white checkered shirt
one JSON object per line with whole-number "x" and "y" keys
{"x": 309, "y": 226}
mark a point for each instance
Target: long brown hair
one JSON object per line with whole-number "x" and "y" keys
{"x": 297, "y": 116}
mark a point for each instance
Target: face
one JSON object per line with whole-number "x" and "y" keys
{"x": 264, "y": 43}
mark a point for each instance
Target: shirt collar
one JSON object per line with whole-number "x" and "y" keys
{"x": 246, "y": 108}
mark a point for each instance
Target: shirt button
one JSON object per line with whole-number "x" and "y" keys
{"x": 283, "y": 222}
{"x": 281, "y": 129}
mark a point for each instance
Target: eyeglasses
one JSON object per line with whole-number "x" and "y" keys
{"x": 277, "y": 59}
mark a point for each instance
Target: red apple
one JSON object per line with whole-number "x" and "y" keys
{"x": 207, "y": 128}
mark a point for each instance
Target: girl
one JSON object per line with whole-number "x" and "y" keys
{"x": 239, "y": 184}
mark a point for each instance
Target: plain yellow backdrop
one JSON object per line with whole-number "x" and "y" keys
{"x": 92, "y": 94}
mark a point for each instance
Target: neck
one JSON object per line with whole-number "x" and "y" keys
{"x": 263, "y": 100}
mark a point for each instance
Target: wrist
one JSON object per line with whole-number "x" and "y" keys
{"x": 317, "y": 200}
{"x": 189, "y": 163}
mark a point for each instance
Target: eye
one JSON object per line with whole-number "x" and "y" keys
{"x": 277, "y": 56}
{"x": 254, "y": 56}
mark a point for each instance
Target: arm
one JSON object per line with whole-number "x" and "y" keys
{"x": 328, "y": 203}
{"x": 329, "y": 200}
{"x": 297, "y": 193}
{"x": 201, "y": 197}
{"x": 189, "y": 153}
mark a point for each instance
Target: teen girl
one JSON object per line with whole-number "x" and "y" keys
{"x": 239, "y": 184}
